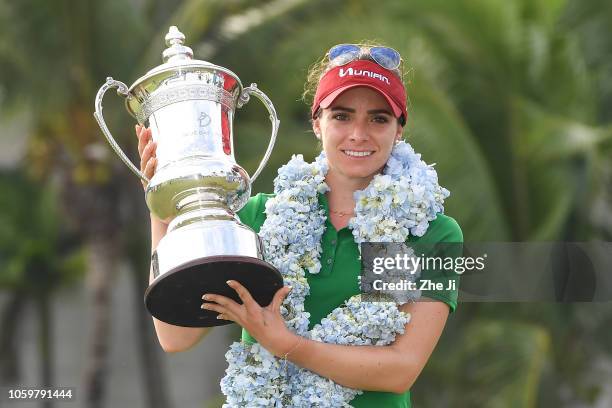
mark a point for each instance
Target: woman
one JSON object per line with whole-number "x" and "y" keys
{"x": 358, "y": 114}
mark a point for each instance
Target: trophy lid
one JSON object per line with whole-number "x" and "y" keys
{"x": 177, "y": 58}
{"x": 176, "y": 50}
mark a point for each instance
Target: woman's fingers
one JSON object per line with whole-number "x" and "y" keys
{"x": 279, "y": 297}
{"x": 141, "y": 142}
{"x": 150, "y": 167}
{"x": 215, "y": 307}
{"x": 243, "y": 293}
{"x": 222, "y": 305}
{"x": 144, "y": 136}
{"x": 148, "y": 153}
{"x": 224, "y": 313}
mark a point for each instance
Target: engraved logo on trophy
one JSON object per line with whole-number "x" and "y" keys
{"x": 198, "y": 186}
{"x": 204, "y": 120}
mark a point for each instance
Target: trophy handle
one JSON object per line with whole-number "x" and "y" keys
{"x": 122, "y": 90}
{"x": 244, "y": 98}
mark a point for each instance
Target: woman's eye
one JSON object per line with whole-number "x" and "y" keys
{"x": 340, "y": 116}
{"x": 380, "y": 119}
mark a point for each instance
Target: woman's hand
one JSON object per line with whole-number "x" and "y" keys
{"x": 147, "y": 152}
{"x": 265, "y": 324}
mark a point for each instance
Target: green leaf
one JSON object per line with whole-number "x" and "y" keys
{"x": 439, "y": 133}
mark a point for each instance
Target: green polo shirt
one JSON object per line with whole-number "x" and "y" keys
{"x": 337, "y": 280}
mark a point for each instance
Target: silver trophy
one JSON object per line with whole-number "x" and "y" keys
{"x": 189, "y": 105}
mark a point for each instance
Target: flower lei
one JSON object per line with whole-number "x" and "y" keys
{"x": 401, "y": 201}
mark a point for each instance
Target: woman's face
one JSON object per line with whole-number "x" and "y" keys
{"x": 358, "y": 131}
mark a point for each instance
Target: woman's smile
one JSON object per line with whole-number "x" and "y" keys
{"x": 358, "y": 154}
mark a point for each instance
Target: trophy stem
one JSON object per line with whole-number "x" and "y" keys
{"x": 201, "y": 206}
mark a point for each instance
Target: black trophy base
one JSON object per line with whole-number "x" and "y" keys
{"x": 176, "y": 296}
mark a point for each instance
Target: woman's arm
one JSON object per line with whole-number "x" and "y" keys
{"x": 392, "y": 368}
{"x": 171, "y": 338}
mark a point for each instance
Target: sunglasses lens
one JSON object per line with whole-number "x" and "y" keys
{"x": 343, "y": 54}
{"x": 386, "y": 57}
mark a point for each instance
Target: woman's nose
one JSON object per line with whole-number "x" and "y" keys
{"x": 360, "y": 132}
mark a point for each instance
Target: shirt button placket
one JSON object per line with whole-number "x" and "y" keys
{"x": 332, "y": 252}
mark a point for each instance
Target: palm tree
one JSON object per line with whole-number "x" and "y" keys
{"x": 37, "y": 259}
{"x": 83, "y": 42}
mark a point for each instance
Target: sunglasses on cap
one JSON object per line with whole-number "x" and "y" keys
{"x": 386, "y": 57}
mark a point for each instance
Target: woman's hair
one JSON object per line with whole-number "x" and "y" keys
{"x": 320, "y": 67}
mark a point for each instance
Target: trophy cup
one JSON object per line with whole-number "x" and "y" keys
{"x": 189, "y": 106}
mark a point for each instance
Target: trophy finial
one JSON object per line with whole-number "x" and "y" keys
{"x": 174, "y": 36}
{"x": 176, "y": 50}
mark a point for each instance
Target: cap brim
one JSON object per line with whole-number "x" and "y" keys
{"x": 329, "y": 99}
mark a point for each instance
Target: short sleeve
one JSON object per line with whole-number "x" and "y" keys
{"x": 253, "y": 213}
{"x": 443, "y": 229}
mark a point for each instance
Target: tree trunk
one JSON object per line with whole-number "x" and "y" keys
{"x": 101, "y": 267}
{"x": 137, "y": 251}
{"x": 45, "y": 345}
{"x": 12, "y": 316}
{"x": 153, "y": 373}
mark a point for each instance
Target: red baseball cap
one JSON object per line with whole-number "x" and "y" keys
{"x": 361, "y": 73}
